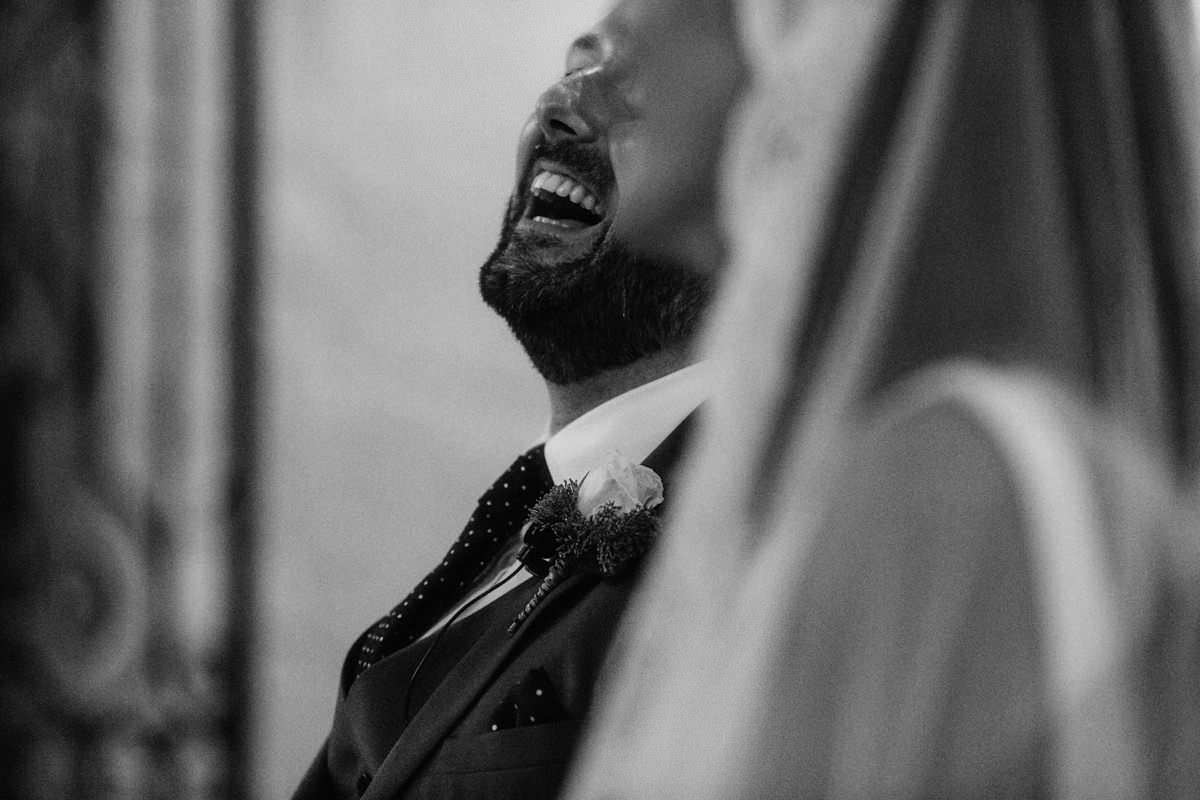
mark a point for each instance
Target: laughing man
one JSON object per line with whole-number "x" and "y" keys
{"x": 467, "y": 688}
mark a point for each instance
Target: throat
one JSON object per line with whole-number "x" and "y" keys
{"x": 570, "y": 401}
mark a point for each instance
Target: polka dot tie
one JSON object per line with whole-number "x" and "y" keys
{"x": 498, "y": 517}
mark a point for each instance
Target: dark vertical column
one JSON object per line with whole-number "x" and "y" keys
{"x": 246, "y": 357}
{"x": 51, "y": 627}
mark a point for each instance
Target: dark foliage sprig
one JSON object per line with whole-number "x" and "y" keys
{"x": 608, "y": 543}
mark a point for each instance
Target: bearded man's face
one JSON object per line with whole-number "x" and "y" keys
{"x": 630, "y": 132}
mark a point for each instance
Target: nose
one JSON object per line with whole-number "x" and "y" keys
{"x": 568, "y": 111}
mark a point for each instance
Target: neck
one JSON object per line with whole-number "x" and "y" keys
{"x": 570, "y": 401}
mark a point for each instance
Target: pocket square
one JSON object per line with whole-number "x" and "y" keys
{"x": 532, "y": 701}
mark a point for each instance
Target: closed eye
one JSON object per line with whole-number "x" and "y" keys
{"x": 584, "y": 52}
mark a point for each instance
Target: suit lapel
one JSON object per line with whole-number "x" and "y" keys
{"x": 474, "y": 672}
{"x": 462, "y": 686}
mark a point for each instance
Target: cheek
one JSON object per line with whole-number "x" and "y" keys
{"x": 650, "y": 193}
{"x": 633, "y": 162}
{"x": 666, "y": 162}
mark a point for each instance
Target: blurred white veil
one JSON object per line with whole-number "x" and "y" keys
{"x": 906, "y": 184}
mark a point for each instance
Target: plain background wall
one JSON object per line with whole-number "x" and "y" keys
{"x": 394, "y": 394}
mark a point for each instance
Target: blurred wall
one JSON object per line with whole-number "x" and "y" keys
{"x": 394, "y": 395}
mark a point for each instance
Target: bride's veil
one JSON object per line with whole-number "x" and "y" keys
{"x": 905, "y": 183}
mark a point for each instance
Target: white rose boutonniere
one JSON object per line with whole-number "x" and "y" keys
{"x": 620, "y": 483}
{"x": 601, "y": 525}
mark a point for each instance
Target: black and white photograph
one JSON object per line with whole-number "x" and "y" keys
{"x": 665, "y": 399}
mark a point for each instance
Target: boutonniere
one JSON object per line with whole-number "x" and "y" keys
{"x": 601, "y": 525}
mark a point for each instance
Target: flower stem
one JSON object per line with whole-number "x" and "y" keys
{"x": 558, "y": 571}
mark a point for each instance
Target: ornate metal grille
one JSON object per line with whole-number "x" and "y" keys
{"x": 128, "y": 356}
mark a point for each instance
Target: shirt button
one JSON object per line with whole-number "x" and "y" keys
{"x": 364, "y": 780}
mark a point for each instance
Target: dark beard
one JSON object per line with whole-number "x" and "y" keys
{"x": 606, "y": 309}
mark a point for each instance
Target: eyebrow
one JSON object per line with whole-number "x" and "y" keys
{"x": 611, "y": 33}
{"x": 588, "y": 42}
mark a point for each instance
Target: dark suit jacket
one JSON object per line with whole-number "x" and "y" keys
{"x": 448, "y": 750}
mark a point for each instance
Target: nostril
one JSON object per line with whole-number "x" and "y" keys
{"x": 562, "y": 127}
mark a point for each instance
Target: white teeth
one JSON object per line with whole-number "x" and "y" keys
{"x": 561, "y": 185}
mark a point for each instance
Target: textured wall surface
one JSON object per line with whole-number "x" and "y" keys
{"x": 394, "y": 394}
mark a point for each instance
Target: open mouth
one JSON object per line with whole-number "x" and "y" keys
{"x": 561, "y": 201}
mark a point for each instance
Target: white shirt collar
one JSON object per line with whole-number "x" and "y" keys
{"x": 633, "y": 423}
